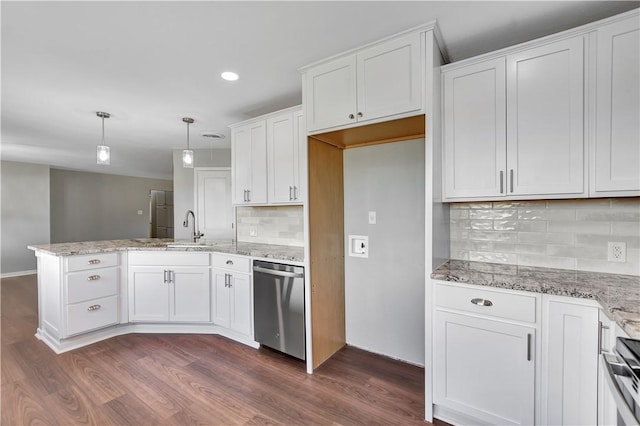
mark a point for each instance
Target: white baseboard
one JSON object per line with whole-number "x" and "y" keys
{"x": 18, "y": 274}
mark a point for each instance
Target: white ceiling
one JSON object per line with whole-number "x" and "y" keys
{"x": 151, "y": 63}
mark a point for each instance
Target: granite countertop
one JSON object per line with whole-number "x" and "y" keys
{"x": 265, "y": 251}
{"x": 619, "y": 295}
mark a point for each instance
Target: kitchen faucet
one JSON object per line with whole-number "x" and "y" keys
{"x": 194, "y": 235}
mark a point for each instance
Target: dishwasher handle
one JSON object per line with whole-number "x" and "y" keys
{"x": 277, "y": 272}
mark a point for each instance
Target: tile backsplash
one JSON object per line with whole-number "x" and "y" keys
{"x": 564, "y": 234}
{"x": 281, "y": 225}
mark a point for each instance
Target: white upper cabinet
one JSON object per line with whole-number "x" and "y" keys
{"x": 249, "y": 163}
{"x": 545, "y": 119}
{"x": 617, "y": 139}
{"x": 513, "y": 125}
{"x": 475, "y": 141}
{"x": 269, "y": 157}
{"x": 380, "y": 81}
{"x": 283, "y": 150}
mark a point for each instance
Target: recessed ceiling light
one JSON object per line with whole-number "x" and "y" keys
{"x": 229, "y": 76}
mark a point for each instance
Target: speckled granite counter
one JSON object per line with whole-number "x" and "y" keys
{"x": 266, "y": 251}
{"x": 619, "y": 295}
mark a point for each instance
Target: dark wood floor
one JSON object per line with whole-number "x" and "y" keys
{"x": 189, "y": 379}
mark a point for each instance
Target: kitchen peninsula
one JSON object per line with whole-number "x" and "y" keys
{"x": 91, "y": 291}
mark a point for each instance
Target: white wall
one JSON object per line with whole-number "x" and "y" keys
{"x": 384, "y": 293}
{"x": 24, "y": 214}
{"x": 183, "y": 185}
{"x": 95, "y": 206}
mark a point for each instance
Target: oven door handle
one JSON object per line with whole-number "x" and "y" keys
{"x": 609, "y": 363}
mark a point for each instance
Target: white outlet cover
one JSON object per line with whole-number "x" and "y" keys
{"x": 253, "y": 231}
{"x": 139, "y": 212}
{"x": 372, "y": 218}
{"x": 617, "y": 252}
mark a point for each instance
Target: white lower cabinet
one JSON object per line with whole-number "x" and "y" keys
{"x": 484, "y": 364}
{"x": 232, "y": 306}
{"x": 514, "y": 357}
{"x": 163, "y": 294}
{"x": 569, "y": 361}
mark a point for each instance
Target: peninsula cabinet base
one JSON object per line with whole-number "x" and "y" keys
{"x": 64, "y": 345}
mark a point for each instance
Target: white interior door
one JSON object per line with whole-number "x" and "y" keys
{"x": 214, "y": 212}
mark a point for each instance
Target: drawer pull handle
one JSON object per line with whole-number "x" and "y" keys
{"x": 93, "y": 308}
{"x": 93, "y": 277}
{"x": 93, "y": 261}
{"x": 229, "y": 262}
{"x": 482, "y": 302}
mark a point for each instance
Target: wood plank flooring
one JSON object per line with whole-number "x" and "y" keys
{"x": 166, "y": 379}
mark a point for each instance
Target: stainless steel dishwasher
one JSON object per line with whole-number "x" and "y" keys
{"x": 278, "y": 303}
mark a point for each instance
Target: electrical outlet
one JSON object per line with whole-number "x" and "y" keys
{"x": 617, "y": 252}
{"x": 372, "y": 218}
{"x": 253, "y": 231}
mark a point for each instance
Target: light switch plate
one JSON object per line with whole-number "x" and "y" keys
{"x": 139, "y": 212}
{"x": 372, "y": 218}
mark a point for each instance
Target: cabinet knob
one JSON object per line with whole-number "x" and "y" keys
{"x": 360, "y": 114}
{"x": 93, "y": 261}
{"x": 93, "y": 277}
{"x": 229, "y": 262}
{"x": 93, "y": 308}
{"x": 482, "y": 302}
{"x": 351, "y": 116}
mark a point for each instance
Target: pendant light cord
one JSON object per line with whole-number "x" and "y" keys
{"x": 188, "y": 135}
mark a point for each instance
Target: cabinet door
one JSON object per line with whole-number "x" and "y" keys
{"x": 617, "y": 146}
{"x": 570, "y": 363}
{"x": 282, "y": 161}
{"x": 331, "y": 94}
{"x": 545, "y": 119}
{"x": 484, "y": 368}
{"x": 300, "y": 168}
{"x": 241, "y": 302}
{"x": 148, "y": 294}
{"x": 190, "y": 297}
{"x": 389, "y": 80}
{"x": 475, "y": 131}
{"x": 249, "y": 163}
{"x": 221, "y": 299}
{"x": 213, "y": 203}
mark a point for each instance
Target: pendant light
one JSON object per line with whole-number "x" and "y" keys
{"x": 103, "y": 153}
{"x": 187, "y": 154}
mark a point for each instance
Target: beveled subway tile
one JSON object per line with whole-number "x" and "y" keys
{"x": 587, "y": 203}
{"x": 459, "y": 254}
{"x": 546, "y": 261}
{"x": 546, "y": 214}
{"x": 531, "y": 249}
{"x": 505, "y": 225}
{"x": 578, "y": 227}
{"x": 459, "y": 214}
{"x": 632, "y": 242}
{"x": 581, "y": 252}
{"x": 481, "y": 225}
{"x": 493, "y": 236}
{"x": 504, "y": 247}
{"x": 459, "y": 224}
{"x": 609, "y": 215}
{"x": 609, "y": 267}
{"x": 482, "y": 256}
{"x": 632, "y": 203}
{"x": 542, "y": 238}
{"x": 487, "y": 205}
{"x": 464, "y": 245}
{"x": 458, "y": 206}
{"x": 492, "y": 214}
{"x": 531, "y": 226}
{"x": 517, "y": 204}
{"x": 481, "y": 245}
{"x": 631, "y": 229}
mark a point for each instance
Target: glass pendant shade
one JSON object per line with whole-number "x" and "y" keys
{"x": 187, "y": 154}
{"x": 103, "y": 152}
{"x": 104, "y": 155}
{"x": 187, "y": 158}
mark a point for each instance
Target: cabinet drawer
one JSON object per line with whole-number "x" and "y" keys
{"x": 518, "y": 307}
{"x": 92, "y": 314}
{"x": 231, "y": 262}
{"x": 173, "y": 258}
{"x": 92, "y": 284}
{"x": 91, "y": 261}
